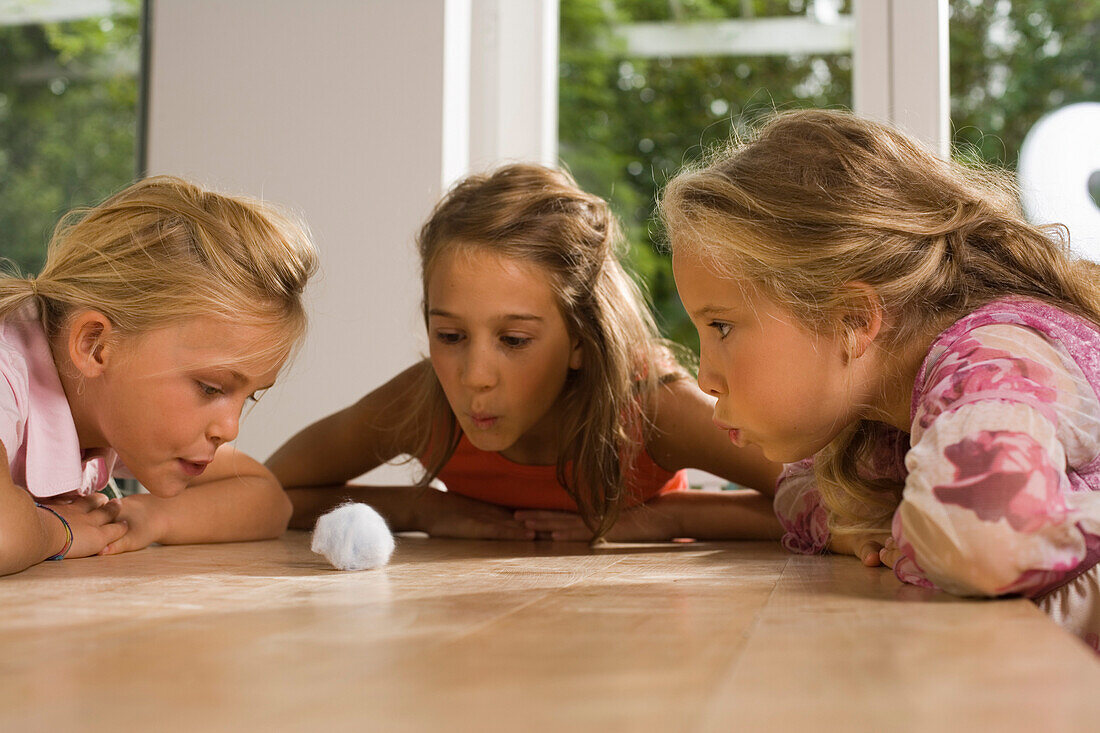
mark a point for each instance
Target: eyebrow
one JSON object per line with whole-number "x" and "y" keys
{"x": 711, "y": 310}
{"x": 242, "y": 379}
{"x": 508, "y": 317}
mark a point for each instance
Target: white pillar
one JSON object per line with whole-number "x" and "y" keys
{"x": 900, "y": 67}
{"x": 514, "y": 82}
{"x": 347, "y": 113}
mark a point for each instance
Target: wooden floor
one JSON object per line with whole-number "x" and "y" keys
{"x": 471, "y": 636}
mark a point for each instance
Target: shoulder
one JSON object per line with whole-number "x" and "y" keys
{"x": 401, "y": 391}
{"x": 14, "y": 365}
{"x": 1013, "y": 334}
{"x": 402, "y": 411}
{"x": 1031, "y": 368}
{"x": 996, "y": 361}
{"x": 678, "y": 401}
{"x": 386, "y": 417}
{"x": 14, "y": 392}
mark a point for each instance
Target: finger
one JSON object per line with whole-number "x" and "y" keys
{"x": 869, "y": 553}
{"x": 115, "y": 534}
{"x": 109, "y": 511}
{"x": 512, "y": 533}
{"x": 91, "y": 502}
{"x": 571, "y": 535}
{"x": 889, "y": 556}
{"x": 550, "y": 525}
{"x": 502, "y": 531}
{"x": 539, "y": 514}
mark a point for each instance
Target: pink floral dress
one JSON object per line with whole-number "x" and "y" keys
{"x": 1001, "y": 468}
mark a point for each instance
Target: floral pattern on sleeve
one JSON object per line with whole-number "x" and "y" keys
{"x": 1006, "y": 475}
{"x": 985, "y": 509}
{"x": 798, "y": 506}
{"x": 971, "y": 371}
{"x": 906, "y": 568}
{"x": 798, "y": 501}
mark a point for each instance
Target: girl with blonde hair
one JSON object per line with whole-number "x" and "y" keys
{"x": 549, "y": 406}
{"x": 158, "y": 315}
{"x": 925, "y": 359}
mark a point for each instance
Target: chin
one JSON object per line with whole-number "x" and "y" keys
{"x": 786, "y": 454}
{"x": 484, "y": 442}
{"x": 164, "y": 488}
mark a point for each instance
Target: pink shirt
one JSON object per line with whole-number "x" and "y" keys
{"x": 36, "y": 424}
{"x": 1000, "y": 468}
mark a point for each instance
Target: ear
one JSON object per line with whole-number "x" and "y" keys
{"x": 90, "y": 344}
{"x": 862, "y": 319}
{"x": 576, "y": 358}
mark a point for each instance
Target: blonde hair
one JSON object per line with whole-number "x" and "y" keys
{"x": 163, "y": 251}
{"x": 817, "y": 199}
{"x": 540, "y": 215}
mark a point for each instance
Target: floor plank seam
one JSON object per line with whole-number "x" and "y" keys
{"x": 705, "y": 722}
{"x": 516, "y": 609}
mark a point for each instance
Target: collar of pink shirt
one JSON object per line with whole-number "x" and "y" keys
{"x": 53, "y": 461}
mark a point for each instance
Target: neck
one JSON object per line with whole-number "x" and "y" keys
{"x": 897, "y": 377}
{"x": 539, "y": 445}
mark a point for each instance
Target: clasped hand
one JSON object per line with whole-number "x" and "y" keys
{"x": 872, "y": 548}
{"x": 445, "y": 514}
{"x": 103, "y": 526}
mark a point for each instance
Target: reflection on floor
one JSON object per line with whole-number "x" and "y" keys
{"x": 473, "y": 635}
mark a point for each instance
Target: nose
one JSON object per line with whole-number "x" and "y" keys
{"x": 711, "y": 379}
{"x": 479, "y": 369}
{"x": 225, "y": 425}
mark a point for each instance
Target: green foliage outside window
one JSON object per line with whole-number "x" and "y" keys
{"x": 68, "y": 124}
{"x": 69, "y": 99}
{"x": 1011, "y": 63}
{"x": 627, "y": 124}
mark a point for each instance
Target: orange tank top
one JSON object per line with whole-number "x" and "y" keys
{"x": 490, "y": 477}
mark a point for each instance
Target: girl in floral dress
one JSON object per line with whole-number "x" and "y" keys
{"x": 924, "y": 360}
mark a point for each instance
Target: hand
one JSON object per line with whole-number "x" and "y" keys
{"x": 443, "y": 514}
{"x": 141, "y": 513}
{"x": 636, "y": 524}
{"x": 889, "y": 554}
{"x": 869, "y": 547}
{"x": 93, "y": 520}
{"x": 554, "y": 525}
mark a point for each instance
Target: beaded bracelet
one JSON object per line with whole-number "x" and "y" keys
{"x": 68, "y": 533}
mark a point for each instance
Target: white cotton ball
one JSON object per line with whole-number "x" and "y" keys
{"x": 353, "y": 537}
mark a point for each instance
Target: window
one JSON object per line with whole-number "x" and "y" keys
{"x": 69, "y": 130}
{"x": 648, "y": 85}
{"x": 1013, "y": 64}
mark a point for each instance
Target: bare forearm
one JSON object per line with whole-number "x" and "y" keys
{"x": 314, "y": 458}
{"x": 28, "y": 535}
{"x": 685, "y": 437}
{"x": 400, "y": 506}
{"x": 226, "y": 510}
{"x": 352, "y": 441}
{"x": 719, "y": 515}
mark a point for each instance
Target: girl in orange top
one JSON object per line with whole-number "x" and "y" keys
{"x": 549, "y": 406}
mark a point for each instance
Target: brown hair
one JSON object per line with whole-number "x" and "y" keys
{"x": 164, "y": 250}
{"x": 540, "y": 215}
{"x": 817, "y": 199}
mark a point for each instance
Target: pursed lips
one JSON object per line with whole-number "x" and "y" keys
{"x": 482, "y": 420}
